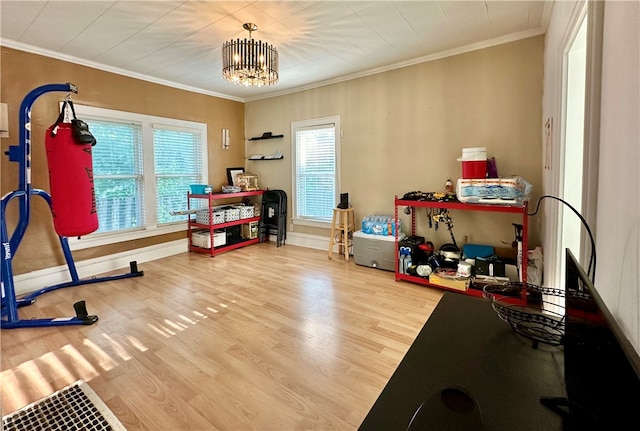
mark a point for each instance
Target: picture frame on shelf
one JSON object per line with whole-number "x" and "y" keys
{"x": 231, "y": 175}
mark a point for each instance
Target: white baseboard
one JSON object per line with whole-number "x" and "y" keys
{"x": 36, "y": 280}
{"x": 306, "y": 240}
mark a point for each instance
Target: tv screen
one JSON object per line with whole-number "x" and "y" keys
{"x": 602, "y": 369}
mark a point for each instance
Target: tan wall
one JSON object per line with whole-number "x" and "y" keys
{"x": 22, "y": 72}
{"x": 404, "y": 129}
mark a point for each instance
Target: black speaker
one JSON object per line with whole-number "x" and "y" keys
{"x": 344, "y": 201}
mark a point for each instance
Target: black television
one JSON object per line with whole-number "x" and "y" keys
{"x": 601, "y": 366}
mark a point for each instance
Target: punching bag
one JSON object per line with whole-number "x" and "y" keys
{"x": 73, "y": 200}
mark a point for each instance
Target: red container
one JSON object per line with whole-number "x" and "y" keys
{"x": 474, "y": 169}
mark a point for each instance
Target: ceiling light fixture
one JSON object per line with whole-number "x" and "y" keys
{"x": 249, "y": 62}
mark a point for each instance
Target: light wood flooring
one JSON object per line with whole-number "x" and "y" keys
{"x": 259, "y": 338}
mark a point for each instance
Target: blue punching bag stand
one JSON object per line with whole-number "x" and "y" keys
{"x": 21, "y": 154}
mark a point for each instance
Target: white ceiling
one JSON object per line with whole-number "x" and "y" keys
{"x": 179, "y": 42}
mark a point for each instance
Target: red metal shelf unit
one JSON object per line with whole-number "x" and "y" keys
{"x": 514, "y": 209}
{"x": 211, "y": 199}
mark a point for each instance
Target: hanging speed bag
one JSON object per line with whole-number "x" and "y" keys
{"x": 73, "y": 199}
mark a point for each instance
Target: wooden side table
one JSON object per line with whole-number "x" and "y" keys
{"x": 342, "y": 229}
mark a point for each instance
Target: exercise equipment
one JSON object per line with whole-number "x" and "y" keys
{"x": 21, "y": 154}
{"x": 70, "y": 179}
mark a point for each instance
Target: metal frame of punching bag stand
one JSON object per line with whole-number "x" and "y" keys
{"x": 21, "y": 154}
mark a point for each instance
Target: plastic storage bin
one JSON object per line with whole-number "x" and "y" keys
{"x": 246, "y": 211}
{"x": 202, "y": 217}
{"x": 375, "y": 251}
{"x": 200, "y": 189}
{"x": 203, "y": 238}
{"x": 231, "y": 214}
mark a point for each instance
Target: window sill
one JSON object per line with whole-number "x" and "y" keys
{"x": 98, "y": 239}
{"x": 312, "y": 223}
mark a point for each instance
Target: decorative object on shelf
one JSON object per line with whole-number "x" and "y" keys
{"x": 275, "y": 156}
{"x": 231, "y": 189}
{"x": 232, "y": 173}
{"x": 249, "y": 62}
{"x": 247, "y": 181}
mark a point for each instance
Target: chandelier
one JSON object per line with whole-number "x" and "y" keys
{"x": 249, "y": 62}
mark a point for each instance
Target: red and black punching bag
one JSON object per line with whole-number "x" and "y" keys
{"x": 73, "y": 200}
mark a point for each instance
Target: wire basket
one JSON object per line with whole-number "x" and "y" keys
{"x": 535, "y": 312}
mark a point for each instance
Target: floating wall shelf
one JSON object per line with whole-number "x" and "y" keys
{"x": 266, "y": 158}
{"x": 266, "y": 135}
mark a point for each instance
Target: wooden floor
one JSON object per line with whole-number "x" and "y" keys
{"x": 260, "y": 338}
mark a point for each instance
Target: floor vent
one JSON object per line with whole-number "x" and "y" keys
{"x": 74, "y": 408}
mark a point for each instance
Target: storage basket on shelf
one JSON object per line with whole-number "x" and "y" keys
{"x": 202, "y": 217}
{"x": 231, "y": 214}
{"x": 200, "y": 189}
{"x": 250, "y": 230}
{"x": 246, "y": 211}
{"x": 202, "y": 238}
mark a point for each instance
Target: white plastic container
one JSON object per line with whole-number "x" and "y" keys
{"x": 473, "y": 154}
{"x": 203, "y": 238}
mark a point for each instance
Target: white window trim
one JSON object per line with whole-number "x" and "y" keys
{"x": 309, "y": 123}
{"x": 148, "y": 122}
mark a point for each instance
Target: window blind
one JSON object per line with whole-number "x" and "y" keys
{"x": 315, "y": 172}
{"x": 117, "y": 171}
{"x": 178, "y": 163}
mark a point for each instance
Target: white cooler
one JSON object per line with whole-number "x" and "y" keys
{"x": 375, "y": 251}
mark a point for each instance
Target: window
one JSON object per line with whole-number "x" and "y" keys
{"x": 118, "y": 175}
{"x": 316, "y": 149}
{"x": 177, "y": 164}
{"x": 143, "y": 166}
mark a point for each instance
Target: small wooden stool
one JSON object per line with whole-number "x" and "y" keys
{"x": 342, "y": 226}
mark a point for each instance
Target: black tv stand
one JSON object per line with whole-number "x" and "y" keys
{"x": 464, "y": 344}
